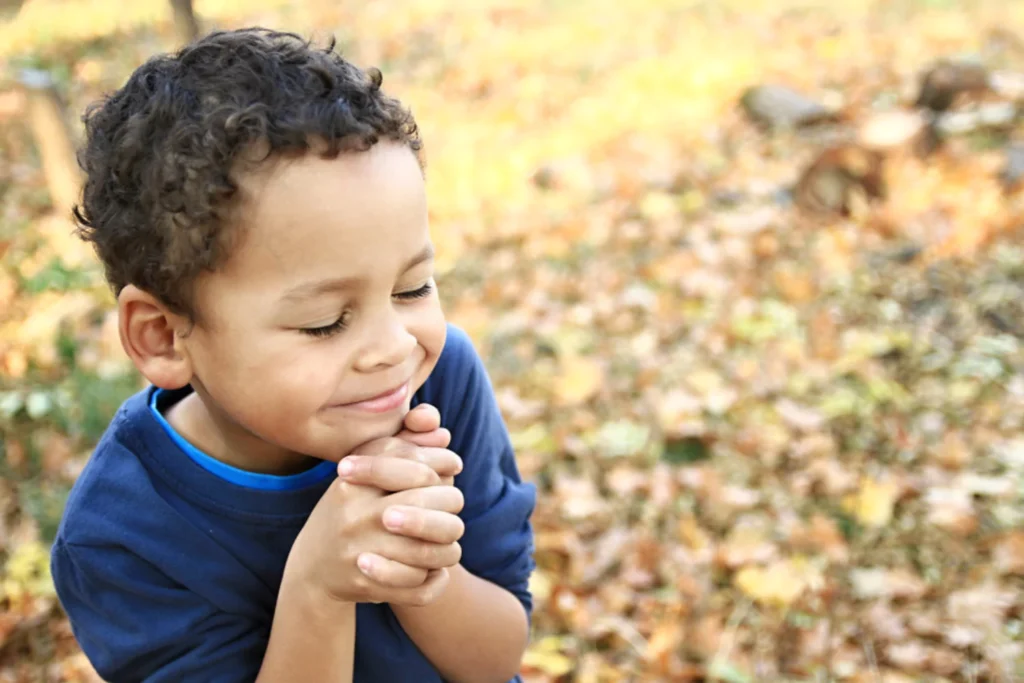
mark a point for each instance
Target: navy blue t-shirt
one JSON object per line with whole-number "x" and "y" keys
{"x": 168, "y": 562}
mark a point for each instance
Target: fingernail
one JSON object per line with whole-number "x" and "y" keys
{"x": 365, "y": 563}
{"x": 393, "y": 519}
{"x": 345, "y": 468}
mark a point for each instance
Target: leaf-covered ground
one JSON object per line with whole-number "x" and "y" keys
{"x": 771, "y": 443}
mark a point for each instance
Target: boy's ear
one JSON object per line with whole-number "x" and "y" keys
{"x": 150, "y": 335}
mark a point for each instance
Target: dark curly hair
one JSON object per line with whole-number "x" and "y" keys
{"x": 160, "y": 152}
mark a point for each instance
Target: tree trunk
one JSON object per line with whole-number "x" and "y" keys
{"x": 185, "y": 24}
{"x": 46, "y": 113}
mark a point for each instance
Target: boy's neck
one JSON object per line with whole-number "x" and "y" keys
{"x": 229, "y": 443}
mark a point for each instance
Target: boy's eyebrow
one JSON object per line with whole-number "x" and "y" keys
{"x": 425, "y": 254}
{"x": 309, "y": 290}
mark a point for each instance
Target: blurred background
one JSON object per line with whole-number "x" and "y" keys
{"x": 747, "y": 277}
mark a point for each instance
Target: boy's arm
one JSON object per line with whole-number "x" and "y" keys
{"x": 478, "y": 629}
{"x": 484, "y": 631}
{"x": 134, "y": 623}
{"x": 312, "y": 639}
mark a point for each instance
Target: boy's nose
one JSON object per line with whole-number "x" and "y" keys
{"x": 388, "y": 345}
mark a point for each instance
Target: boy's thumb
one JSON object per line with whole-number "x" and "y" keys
{"x": 423, "y": 418}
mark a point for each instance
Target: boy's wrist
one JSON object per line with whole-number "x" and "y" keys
{"x": 306, "y": 597}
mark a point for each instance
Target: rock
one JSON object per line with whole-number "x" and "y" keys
{"x": 946, "y": 80}
{"x": 891, "y": 129}
{"x": 1012, "y": 175}
{"x": 781, "y": 107}
{"x": 833, "y": 181}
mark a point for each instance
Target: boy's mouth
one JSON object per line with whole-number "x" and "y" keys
{"x": 381, "y": 403}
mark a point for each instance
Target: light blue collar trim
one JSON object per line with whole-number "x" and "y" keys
{"x": 252, "y": 480}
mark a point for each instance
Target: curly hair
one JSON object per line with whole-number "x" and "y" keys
{"x": 160, "y": 152}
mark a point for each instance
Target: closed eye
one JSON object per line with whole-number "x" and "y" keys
{"x": 423, "y": 291}
{"x": 327, "y": 330}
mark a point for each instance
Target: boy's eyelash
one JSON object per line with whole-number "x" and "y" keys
{"x": 342, "y": 322}
{"x": 327, "y": 330}
{"x": 416, "y": 293}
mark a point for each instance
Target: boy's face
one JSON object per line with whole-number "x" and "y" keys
{"x": 324, "y": 320}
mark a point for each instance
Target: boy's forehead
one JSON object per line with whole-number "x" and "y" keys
{"x": 357, "y": 210}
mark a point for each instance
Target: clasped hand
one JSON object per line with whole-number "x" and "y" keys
{"x": 388, "y": 529}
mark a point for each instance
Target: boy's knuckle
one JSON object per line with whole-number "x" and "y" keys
{"x": 454, "y": 554}
{"x": 456, "y": 500}
{"x": 426, "y": 555}
{"x": 414, "y": 523}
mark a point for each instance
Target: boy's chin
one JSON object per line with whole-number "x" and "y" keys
{"x": 366, "y": 437}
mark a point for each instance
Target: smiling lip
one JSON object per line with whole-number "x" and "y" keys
{"x": 383, "y": 403}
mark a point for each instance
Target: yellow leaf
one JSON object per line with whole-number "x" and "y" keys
{"x": 780, "y": 583}
{"x": 873, "y": 504}
{"x": 28, "y": 573}
{"x": 578, "y": 380}
{"x": 546, "y": 657}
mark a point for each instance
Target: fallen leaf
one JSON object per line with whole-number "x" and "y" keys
{"x": 546, "y": 656}
{"x": 874, "y": 503}
{"x": 1008, "y": 555}
{"x": 877, "y": 582}
{"x": 780, "y": 583}
{"x": 951, "y": 509}
{"x": 578, "y": 380}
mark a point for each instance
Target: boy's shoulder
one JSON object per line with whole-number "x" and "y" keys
{"x": 458, "y": 368}
{"x": 113, "y": 479}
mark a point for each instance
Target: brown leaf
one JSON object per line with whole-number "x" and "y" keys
{"x": 1008, "y": 555}
{"x": 953, "y": 453}
{"x": 951, "y": 509}
{"x": 822, "y": 535}
{"x": 55, "y": 449}
{"x": 609, "y": 551}
{"x": 884, "y": 622}
{"x": 945, "y": 662}
{"x": 978, "y": 612}
{"x": 870, "y": 583}
{"x": 664, "y": 644}
{"x": 909, "y": 654}
{"x": 796, "y": 286}
{"x": 749, "y": 542}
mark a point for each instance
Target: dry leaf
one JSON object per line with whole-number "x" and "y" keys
{"x": 871, "y": 583}
{"x": 1008, "y": 555}
{"x": 578, "y": 380}
{"x": 780, "y": 583}
{"x": 873, "y": 505}
{"x": 546, "y": 656}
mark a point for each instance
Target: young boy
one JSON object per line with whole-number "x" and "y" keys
{"x": 273, "y": 508}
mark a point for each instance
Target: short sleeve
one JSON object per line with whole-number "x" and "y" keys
{"x": 498, "y": 541}
{"x": 136, "y": 624}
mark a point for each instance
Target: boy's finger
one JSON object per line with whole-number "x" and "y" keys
{"x": 422, "y": 418}
{"x": 415, "y": 553}
{"x": 387, "y": 473}
{"x": 432, "y": 526}
{"x": 443, "y": 461}
{"x": 437, "y": 581}
{"x": 437, "y": 438}
{"x": 443, "y": 498}
{"x": 389, "y": 573}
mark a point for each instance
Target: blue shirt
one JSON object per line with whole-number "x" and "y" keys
{"x": 168, "y": 563}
